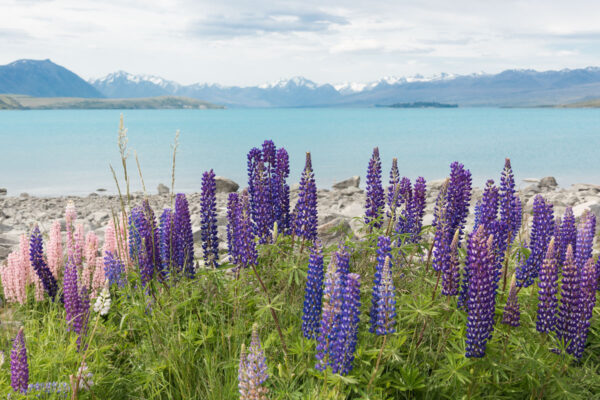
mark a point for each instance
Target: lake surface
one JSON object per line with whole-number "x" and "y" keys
{"x": 69, "y": 151}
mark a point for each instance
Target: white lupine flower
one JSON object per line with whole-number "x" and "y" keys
{"x": 102, "y": 305}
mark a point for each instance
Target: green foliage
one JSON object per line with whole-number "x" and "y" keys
{"x": 183, "y": 340}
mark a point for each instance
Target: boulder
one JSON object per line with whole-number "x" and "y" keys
{"x": 162, "y": 189}
{"x": 347, "y": 183}
{"x": 585, "y": 187}
{"x": 593, "y": 206}
{"x": 225, "y": 185}
{"x": 3, "y": 192}
{"x": 351, "y": 191}
{"x": 334, "y": 231}
{"x": 548, "y": 182}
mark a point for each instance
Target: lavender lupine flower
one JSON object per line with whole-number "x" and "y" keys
{"x": 84, "y": 316}
{"x": 417, "y": 208}
{"x": 458, "y": 197}
{"x": 441, "y": 245}
{"x": 569, "y": 311}
{"x": 512, "y": 312}
{"x": 375, "y": 197}
{"x": 567, "y": 235}
{"x": 233, "y": 212}
{"x": 541, "y": 232}
{"x": 140, "y": 243}
{"x": 345, "y": 344}
{"x": 585, "y": 239}
{"x": 331, "y": 309}
{"x": 385, "y": 312}
{"x": 208, "y": 211}
{"x": 245, "y": 245}
{"x": 114, "y": 269}
{"x": 71, "y": 296}
{"x": 481, "y": 295}
{"x": 19, "y": 370}
{"x": 510, "y": 209}
{"x": 588, "y": 301}
{"x": 451, "y": 274}
{"x": 184, "y": 238}
{"x": 383, "y": 253}
{"x": 36, "y": 254}
{"x": 547, "y": 302}
{"x": 487, "y": 208}
{"x": 393, "y": 192}
{"x": 282, "y": 189}
{"x": 167, "y": 243}
{"x": 252, "y": 372}
{"x": 313, "y": 293}
{"x": 305, "y": 212}
{"x": 342, "y": 259}
{"x": 254, "y": 157}
{"x": 263, "y": 216}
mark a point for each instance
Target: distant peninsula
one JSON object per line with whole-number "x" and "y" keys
{"x": 419, "y": 104}
{"x": 22, "y": 102}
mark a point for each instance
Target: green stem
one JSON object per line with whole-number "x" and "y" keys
{"x": 377, "y": 364}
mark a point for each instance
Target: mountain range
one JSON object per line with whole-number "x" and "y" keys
{"x": 513, "y": 88}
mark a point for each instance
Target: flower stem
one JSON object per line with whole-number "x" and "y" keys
{"x": 377, "y": 364}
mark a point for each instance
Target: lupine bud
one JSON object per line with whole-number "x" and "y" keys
{"x": 569, "y": 312}
{"x": 481, "y": 298}
{"x": 19, "y": 370}
{"x": 36, "y": 251}
{"x": 313, "y": 293}
{"x": 375, "y": 202}
{"x": 512, "y": 313}
{"x": 184, "y": 238}
{"x": 547, "y": 302}
{"x": 305, "y": 212}
{"x": 541, "y": 232}
{"x": 383, "y": 253}
{"x": 245, "y": 245}
{"x": 167, "y": 243}
{"x": 281, "y": 208}
{"x": 233, "y": 213}
{"x": 386, "y": 305}
{"x": 510, "y": 209}
{"x": 393, "y": 192}
{"x": 252, "y": 373}
{"x": 208, "y": 210}
{"x": 451, "y": 274}
{"x": 567, "y": 235}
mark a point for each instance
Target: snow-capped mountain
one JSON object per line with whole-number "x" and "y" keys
{"x": 121, "y": 84}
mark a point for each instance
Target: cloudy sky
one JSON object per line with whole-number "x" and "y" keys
{"x": 251, "y": 42}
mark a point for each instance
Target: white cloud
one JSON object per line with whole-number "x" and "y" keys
{"x": 241, "y": 42}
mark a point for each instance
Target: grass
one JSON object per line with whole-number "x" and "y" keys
{"x": 183, "y": 341}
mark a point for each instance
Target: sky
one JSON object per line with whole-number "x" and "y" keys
{"x": 252, "y": 42}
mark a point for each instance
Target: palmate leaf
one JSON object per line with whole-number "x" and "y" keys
{"x": 409, "y": 378}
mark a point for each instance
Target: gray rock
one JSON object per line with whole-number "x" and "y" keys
{"x": 162, "y": 189}
{"x": 531, "y": 190}
{"x": 351, "y": 191}
{"x": 435, "y": 185}
{"x": 3, "y": 191}
{"x": 548, "y": 182}
{"x": 531, "y": 180}
{"x": 584, "y": 187}
{"x": 347, "y": 183}
{"x": 225, "y": 185}
{"x": 101, "y": 190}
{"x": 593, "y": 206}
{"x": 24, "y": 195}
{"x": 334, "y": 231}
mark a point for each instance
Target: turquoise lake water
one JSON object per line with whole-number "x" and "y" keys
{"x": 69, "y": 151}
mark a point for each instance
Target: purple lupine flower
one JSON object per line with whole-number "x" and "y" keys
{"x": 481, "y": 299}
{"x": 140, "y": 243}
{"x": 385, "y": 312}
{"x": 36, "y": 254}
{"x": 547, "y": 302}
{"x": 263, "y": 216}
{"x": 254, "y": 157}
{"x": 417, "y": 208}
{"x": 282, "y": 190}
{"x": 510, "y": 209}
{"x": 451, "y": 274}
{"x": 541, "y": 232}
{"x": 588, "y": 301}
{"x": 153, "y": 244}
{"x": 585, "y": 239}
{"x": 245, "y": 245}
{"x": 313, "y": 293}
{"x": 184, "y": 238}
{"x": 71, "y": 297}
{"x": 512, "y": 313}
{"x": 208, "y": 211}
{"x": 329, "y": 325}
{"x": 393, "y": 193}
{"x": 375, "y": 202}
{"x": 84, "y": 316}
{"x": 233, "y": 212}
{"x": 167, "y": 243}
{"x": 305, "y": 212}
{"x": 345, "y": 343}
{"x": 383, "y": 253}
{"x": 487, "y": 208}
{"x": 567, "y": 235}
{"x": 441, "y": 245}
{"x": 252, "y": 372}
{"x": 458, "y": 197}
{"x": 569, "y": 311}
{"x": 114, "y": 269}
{"x": 19, "y": 370}
{"x": 342, "y": 257}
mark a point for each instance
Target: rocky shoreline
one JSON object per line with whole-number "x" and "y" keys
{"x": 337, "y": 207}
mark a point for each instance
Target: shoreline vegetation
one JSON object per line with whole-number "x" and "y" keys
{"x": 23, "y": 102}
{"x": 418, "y": 104}
{"x": 404, "y": 290}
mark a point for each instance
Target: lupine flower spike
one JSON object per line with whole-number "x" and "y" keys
{"x": 19, "y": 370}
{"x": 252, "y": 373}
{"x": 512, "y": 312}
{"x": 36, "y": 251}
{"x": 383, "y": 253}
{"x": 588, "y": 301}
{"x": 375, "y": 196}
{"x": 314, "y": 292}
{"x": 567, "y": 326}
{"x": 305, "y": 212}
{"x": 547, "y": 302}
{"x": 451, "y": 273}
{"x": 208, "y": 210}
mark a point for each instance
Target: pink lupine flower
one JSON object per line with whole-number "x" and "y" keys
{"x": 24, "y": 258}
{"x": 98, "y": 278}
{"x": 14, "y": 279}
{"x": 55, "y": 250}
{"x": 70, "y": 217}
{"x": 110, "y": 239}
{"x": 91, "y": 247}
{"x": 79, "y": 238}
